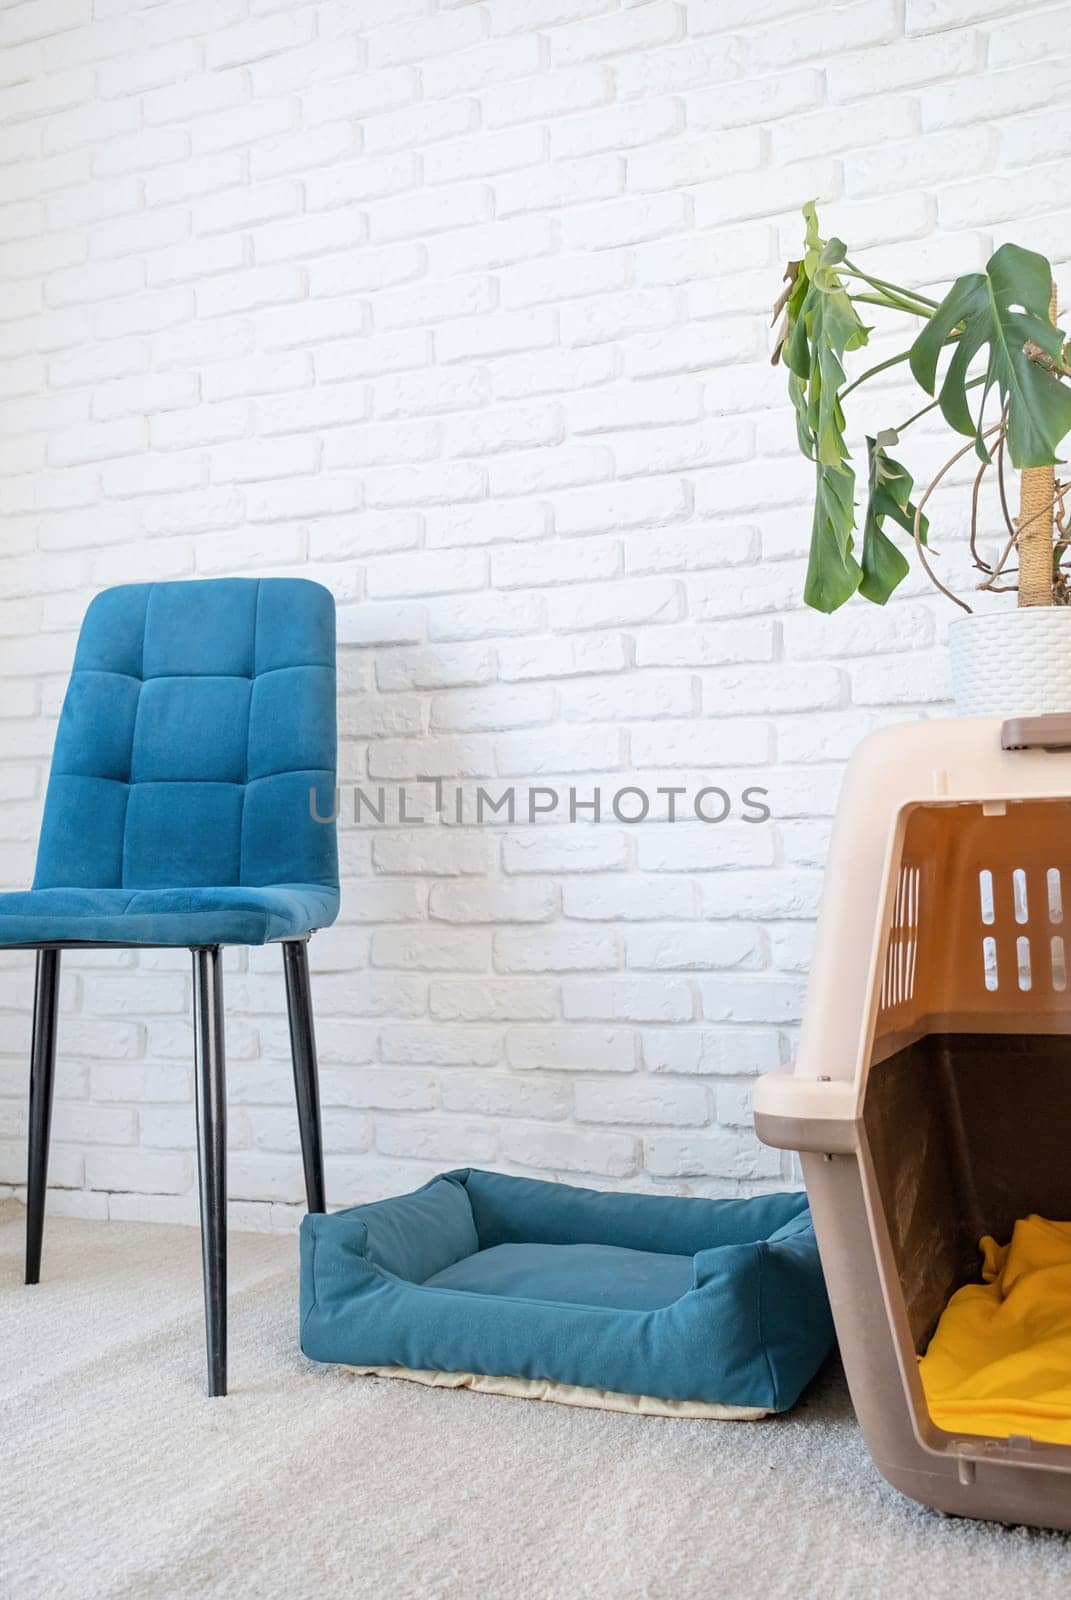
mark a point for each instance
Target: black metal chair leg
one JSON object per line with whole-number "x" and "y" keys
{"x": 306, "y": 1079}
{"x": 42, "y": 1065}
{"x": 211, "y": 1097}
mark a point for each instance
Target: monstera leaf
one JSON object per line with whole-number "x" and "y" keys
{"x": 1005, "y": 311}
{"x": 832, "y": 571}
{"x": 890, "y": 486}
{"x": 821, "y": 326}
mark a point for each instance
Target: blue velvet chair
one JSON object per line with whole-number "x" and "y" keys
{"x": 195, "y": 754}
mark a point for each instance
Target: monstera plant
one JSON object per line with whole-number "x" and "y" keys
{"x": 990, "y": 358}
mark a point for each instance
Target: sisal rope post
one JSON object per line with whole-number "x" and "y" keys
{"x": 1037, "y": 495}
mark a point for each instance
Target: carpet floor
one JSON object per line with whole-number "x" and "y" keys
{"x": 119, "y": 1481}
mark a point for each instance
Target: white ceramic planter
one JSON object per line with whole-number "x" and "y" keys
{"x": 1012, "y": 663}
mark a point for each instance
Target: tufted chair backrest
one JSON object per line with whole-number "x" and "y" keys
{"x": 197, "y": 719}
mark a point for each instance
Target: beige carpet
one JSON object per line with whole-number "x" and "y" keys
{"x": 118, "y": 1479}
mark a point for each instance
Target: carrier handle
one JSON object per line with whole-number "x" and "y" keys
{"x": 1052, "y": 732}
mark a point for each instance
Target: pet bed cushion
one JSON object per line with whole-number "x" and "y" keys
{"x": 717, "y": 1302}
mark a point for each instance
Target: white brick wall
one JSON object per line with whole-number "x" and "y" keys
{"x": 459, "y": 308}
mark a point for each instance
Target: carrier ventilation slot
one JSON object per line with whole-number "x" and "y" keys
{"x": 1025, "y": 976}
{"x": 901, "y": 957}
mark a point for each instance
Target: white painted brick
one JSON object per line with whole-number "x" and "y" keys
{"x": 503, "y": 1095}
{"x": 132, "y": 72}
{"x": 407, "y": 758}
{"x": 798, "y": 688}
{"x": 557, "y": 658}
{"x": 248, "y": 290}
{"x": 1025, "y": 141}
{"x": 649, "y": 1103}
{"x": 638, "y": 899}
{"x": 359, "y": 181}
{"x": 554, "y": 1150}
{"x": 216, "y": 213}
{"x": 101, "y": 441}
{"x": 494, "y": 999}
{"x": 683, "y": 163}
{"x": 546, "y": 282}
{"x": 1025, "y": 36}
{"x": 705, "y": 645}
{"x": 247, "y": 460}
{"x": 369, "y": 358}
{"x": 751, "y": 999}
{"x": 867, "y": 23}
{"x": 723, "y": 1154}
{"x": 700, "y": 743}
{"x": 719, "y": 843}
{"x": 193, "y": 99}
{"x": 510, "y": 428}
{"x": 692, "y": 949}
{"x": 934, "y": 16}
{"x": 684, "y": 66}
{"x": 482, "y": 68}
{"x": 145, "y": 1172}
{"x": 904, "y": 65}
{"x": 573, "y": 562}
{"x": 573, "y": 849}
{"x": 184, "y": 262}
{"x": 701, "y": 256}
{"x": 483, "y": 524}
{"x": 636, "y": 312}
{"x": 242, "y": 126}
{"x": 256, "y": 38}
{"x": 297, "y": 152}
{"x": 937, "y": 158}
{"x": 581, "y": 950}
{"x": 832, "y": 131}
{"x": 564, "y": 183}
{"x": 627, "y": 1000}
{"x": 892, "y": 680}
{"x": 300, "y": 237}
{"x": 417, "y": 125}
{"x": 620, "y": 699}
{"x": 350, "y": 272}
{"x": 447, "y": 666}
{"x": 433, "y": 950}
{"x": 483, "y": 710}
{"x": 557, "y": 751}
{"x": 430, "y": 851}
{"x": 615, "y": 128}
{"x": 621, "y": 222}
{"x": 738, "y": 197}
{"x": 712, "y": 1051}
{"x": 399, "y": 576}
{"x": 756, "y": 101}
{"x": 547, "y": 95}
{"x": 495, "y": 335}
{"x": 475, "y": 903}
{"x": 569, "y": 1049}
{"x": 614, "y": 604}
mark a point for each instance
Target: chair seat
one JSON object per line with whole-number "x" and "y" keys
{"x": 165, "y": 916}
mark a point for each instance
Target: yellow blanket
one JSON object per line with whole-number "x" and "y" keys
{"x": 1000, "y": 1359}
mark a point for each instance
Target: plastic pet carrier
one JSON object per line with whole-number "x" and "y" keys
{"x": 931, "y": 1098}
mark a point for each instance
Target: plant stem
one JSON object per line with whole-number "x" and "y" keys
{"x": 931, "y": 486}
{"x": 893, "y": 361}
{"x": 890, "y": 304}
{"x": 896, "y": 288}
{"x": 900, "y": 427}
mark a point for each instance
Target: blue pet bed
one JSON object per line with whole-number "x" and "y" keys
{"x": 526, "y": 1287}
